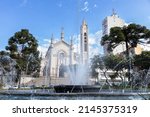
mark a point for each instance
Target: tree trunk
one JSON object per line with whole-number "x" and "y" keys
{"x": 127, "y": 56}
{"x": 19, "y": 78}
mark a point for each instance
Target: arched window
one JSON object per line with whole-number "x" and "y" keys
{"x": 62, "y": 58}
{"x": 62, "y": 70}
{"x": 62, "y": 63}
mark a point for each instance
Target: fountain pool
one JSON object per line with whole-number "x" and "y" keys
{"x": 46, "y": 94}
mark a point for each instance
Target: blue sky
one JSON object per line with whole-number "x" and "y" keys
{"x": 44, "y": 17}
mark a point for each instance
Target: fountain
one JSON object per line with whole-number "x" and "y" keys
{"x": 80, "y": 86}
{"x": 8, "y": 72}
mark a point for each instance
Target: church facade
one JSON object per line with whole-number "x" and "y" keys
{"x": 60, "y": 55}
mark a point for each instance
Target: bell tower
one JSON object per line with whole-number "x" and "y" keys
{"x": 84, "y": 47}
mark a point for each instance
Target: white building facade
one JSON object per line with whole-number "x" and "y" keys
{"x": 84, "y": 50}
{"x": 61, "y": 55}
{"x": 109, "y": 22}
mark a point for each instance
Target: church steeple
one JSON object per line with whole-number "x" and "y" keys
{"x": 71, "y": 50}
{"x": 62, "y": 34}
{"x": 84, "y": 22}
{"x": 52, "y": 38}
{"x": 71, "y": 41}
{"x": 84, "y": 51}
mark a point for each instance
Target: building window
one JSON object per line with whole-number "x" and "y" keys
{"x": 61, "y": 58}
{"x": 53, "y": 71}
{"x": 62, "y": 71}
{"x": 85, "y": 47}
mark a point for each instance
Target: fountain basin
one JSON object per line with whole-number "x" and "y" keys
{"x": 73, "y": 92}
{"x": 48, "y": 95}
{"x": 76, "y": 88}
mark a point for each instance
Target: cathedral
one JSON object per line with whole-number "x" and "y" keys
{"x": 60, "y": 55}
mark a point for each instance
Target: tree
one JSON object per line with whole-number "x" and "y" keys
{"x": 142, "y": 69}
{"x": 115, "y": 63}
{"x": 96, "y": 63}
{"x": 142, "y": 61}
{"x": 22, "y": 47}
{"x": 131, "y": 35}
{"x": 114, "y": 39}
{"x": 3, "y": 53}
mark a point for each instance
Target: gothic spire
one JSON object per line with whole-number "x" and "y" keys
{"x": 52, "y": 38}
{"x": 83, "y": 22}
{"x": 62, "y": 33}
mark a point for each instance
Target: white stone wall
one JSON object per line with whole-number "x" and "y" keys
{"x": 59, "y": 47}
{"x": 120, "y": 48}
{"x": 108, "y": 23}
{"x": 53, "y": 59}
{"x": 112, "y": 21}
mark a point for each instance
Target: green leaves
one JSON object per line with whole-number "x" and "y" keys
{"x": 114, "y": 62}
{"x": 130, "y": 34}
{"x": 105, "y": 39}
{"x": 109, "y": 62}
{"x": 142, "y": 61}
{"x": 116, "y": 35}
{"x": 96, "y": 62}
{"x": 20, "y": 46}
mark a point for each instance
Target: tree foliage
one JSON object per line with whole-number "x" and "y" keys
{"x": 22, "y": 47}
{"x": 96, "y": 63}
{"x": 131, "y": 35}
{"x": 142, "y": 61}
{"x": 115, "y": 63}
{"x": 116, "y": 67}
